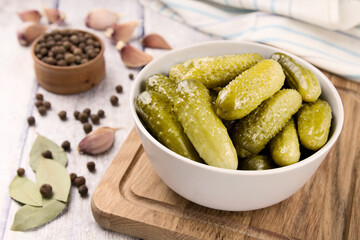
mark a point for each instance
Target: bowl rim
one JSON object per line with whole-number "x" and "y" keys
{"x": 306, "y": 161}
{"x": 38, "y": 61}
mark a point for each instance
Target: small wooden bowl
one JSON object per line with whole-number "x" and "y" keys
{"x": 70, "y": 79}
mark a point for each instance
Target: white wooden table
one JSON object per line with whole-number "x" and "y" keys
{"x": 18, "y": 87}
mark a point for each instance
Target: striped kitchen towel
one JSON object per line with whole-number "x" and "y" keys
{"x": 324, "y": 32}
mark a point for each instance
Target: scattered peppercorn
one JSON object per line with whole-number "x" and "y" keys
{"x": 73, "y": 176}
{"x": 31, "y": 120}
{"x": 95, "y": 118}
{"x": 39, "y": 103}
{"x": 47, "y": 154}
{"x": 62, "y": 115}
{"x": 91, "y": 166}
{"x": 101, "y": 113}
{"x": 42, "y": 110}
{"x": 131, "y": 76}
{"x": 87, "y": 111}
{"x": 114, "y": 100}
{"x": 119, "y": 89}
{"x": 66, "y": 145}
{"x": 79, "y": 181}
{"x": 87, "y": 127}
{"x": 83, "y": 117}
{"x": 46, "y": 190}
{"x": 47, "y": 105}
{"x": 83, "y": 190}
{"x": 39, "y": 96}
{"x": 20, "y": 172}
{"x": 76, "y": 115}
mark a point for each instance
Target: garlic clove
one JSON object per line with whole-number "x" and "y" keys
{"x": 30, "y": 16}
{"x": 131, "y": 56}
{"x": 97, "y": 141}
{"x": 100, "y": 19}
{"x": 155, "y": 41}
{"x": 122, "y": 31}
{"x": 28, "y": 31}
{"x": 54, "y": 15}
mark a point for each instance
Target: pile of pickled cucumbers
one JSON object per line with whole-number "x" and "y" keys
{"x": 237, "y": 111}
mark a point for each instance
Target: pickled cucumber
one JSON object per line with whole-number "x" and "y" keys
{"x": 284, "y": 147}
{"x": 314, "y": 121}
{"x": 161, "y": 84}
{"x": 156, "y": 112}
{"x": 254, "y": 131}
{"x": 214, "y": 71}
{"x": 299, "y": 77}
{"x": 202, "y": 126}
{"x": 249, "y": 89}
{"x": 256, "y": 162}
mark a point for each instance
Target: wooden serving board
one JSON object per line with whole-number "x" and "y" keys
{"x": 132, "y": 199}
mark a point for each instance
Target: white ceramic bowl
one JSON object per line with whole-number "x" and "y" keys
{"x": 223, "y": 189}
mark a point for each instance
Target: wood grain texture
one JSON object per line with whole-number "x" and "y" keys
{"x": 132, "y": 199}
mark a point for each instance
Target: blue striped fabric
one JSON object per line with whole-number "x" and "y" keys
{"x": 337, "y": 51}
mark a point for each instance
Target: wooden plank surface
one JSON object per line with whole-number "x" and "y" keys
{"x": 326, "y": 207}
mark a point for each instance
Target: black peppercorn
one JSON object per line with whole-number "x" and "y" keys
{"x": 73, "y": 176}
{"x": 47, "y": 154}
{"x": 83, "y": 117}
{"x": 101, "y": 113}
{"x": 42, "y": 110}
{"x": 46, "y": 190}
{"x": 79, "y": 181}
{"x": 94, "y": 118}
{"x": 83, "y": 190}
{"x": 62, "y": 115}
{"x": 91, "y": 166}
{"x": 77, "y": 59}
{"x": 47, "y": 105}
{"x": 78, "y": 51}
{"x": 76, "y": 115}
{"x": 84, "y": 60}
{"x": 69, "y": 58}
{"x": 67, "y": 44}
{"x": 31, "y": 120}
{"x": 59, "y": 56}
{"x": 119, "y": 89}
{"x": 74, "y": 39}
{"x": 20, "y": 172}
{"x": 39, "y": 103}
{"x": 114, "y": 100}
{"x": 82, "y": 46}
{"x": 66, "y": 145}
{"x": 87, "y": 111}
{"x": 97, "y": 44}
{"x": 131, "y": 76}
{"x": 39, "y": 96}
{"x": 87, "y": 127}
{"x": 61, "y": 62}
{"x": 43, "y": 51}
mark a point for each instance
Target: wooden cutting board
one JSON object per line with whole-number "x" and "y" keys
{"x": 133, "y": 200}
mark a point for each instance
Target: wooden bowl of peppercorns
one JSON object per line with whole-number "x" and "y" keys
{"x": 68, "y": 61}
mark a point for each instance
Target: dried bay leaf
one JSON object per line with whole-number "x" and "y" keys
{"x": 25, "y": 191}
{"x": 43, "y": 144}
{"x": 28, "y": 217}
{"x": 57, "y": 176}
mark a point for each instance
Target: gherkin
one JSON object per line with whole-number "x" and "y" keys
{"x": 161, "y": 84}
{"x": 256, "y": 162}
{"x": 284, "y": 147}
{"x": 249, "y": 90}
{"x": 216, "y": 71}
{"x": 157, "y": 114}
{"x": 254, "y": 131}
{"x": 203, "y": 127}
{"x": 314, "y": 122}
{"x": 299, "y": 77}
